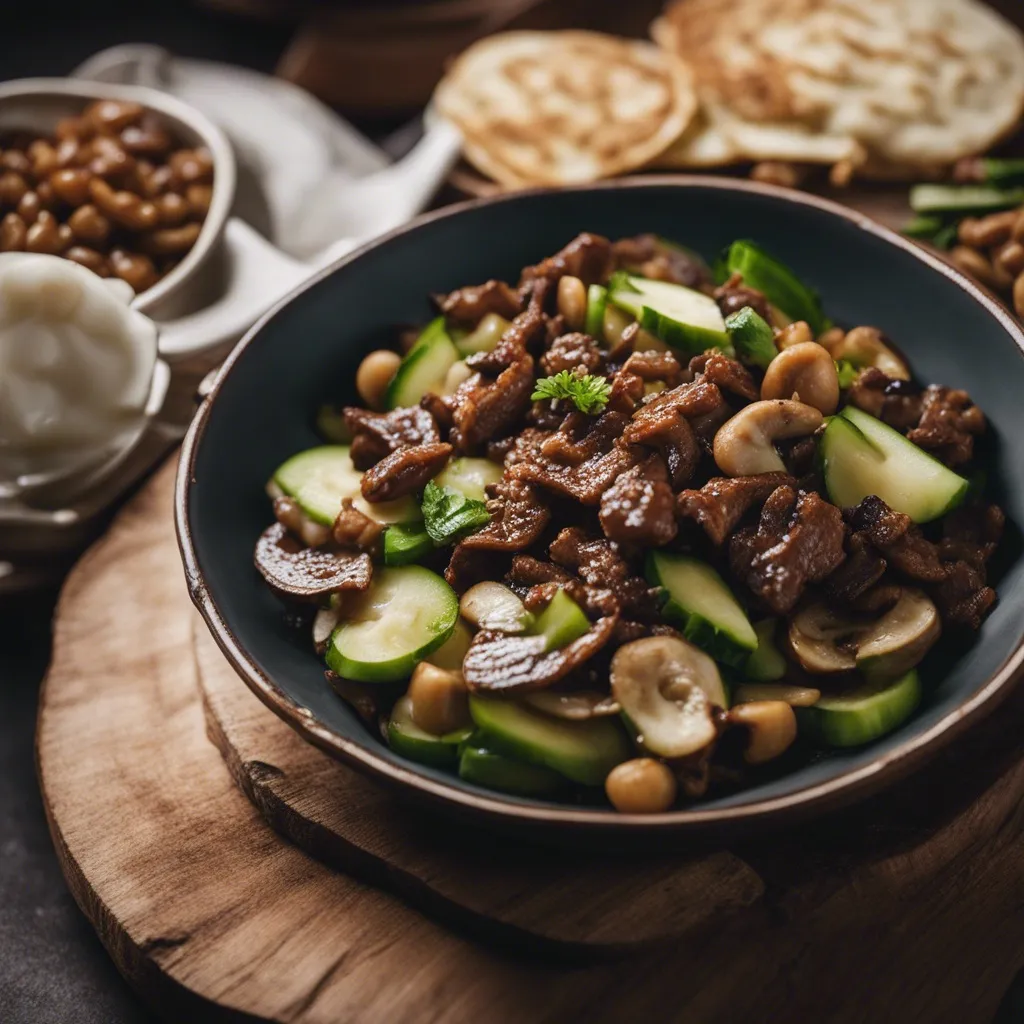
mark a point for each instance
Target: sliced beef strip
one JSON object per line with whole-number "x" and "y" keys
{"x": 308, "y": 574}
{"x": 468, "y": 306}
{"x": 898, "y": 539}
{"x": 355, "y": 529}
{"x": 649, "y": 256}
{"x": 863, "y": 568}
{"x": 587, "y": 256}
{"x": 895, "y": 402}
{"x": 734, "y": 295}
{"x": 487, "y": 411}
{"x": 971, "y": 534}
{"x": 729, "y": 375}
{"x": 404, "y": 472}
{"x": 377, "y": 434}
{"x": 798, "y": 540}
{"x": 527, "y": 572}
{"x": 949, "y": 423}
{"x": 963, "y": 598}
{"x": 723, "y": 501}
{"x": 639, "y": 508}
{"x": 570, "y": 351}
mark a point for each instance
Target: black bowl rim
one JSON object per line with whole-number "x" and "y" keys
{"x": 817, "y": 798}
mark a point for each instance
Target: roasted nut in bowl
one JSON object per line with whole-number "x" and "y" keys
{"x": 261, "y": 411}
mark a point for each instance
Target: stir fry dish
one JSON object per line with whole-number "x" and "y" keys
{"x": 635, "y": 525}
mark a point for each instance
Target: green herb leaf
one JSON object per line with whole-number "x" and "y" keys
{"x": 588, "y": 392}
{"x": 448, "y": 514}
{"x": 847, "y": 372}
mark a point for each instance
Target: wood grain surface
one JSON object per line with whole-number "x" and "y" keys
{"x": 908, "y": 908}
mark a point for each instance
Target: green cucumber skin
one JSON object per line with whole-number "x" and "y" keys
{"x": 435, "y": 333}
{"x": 685, "y": 338}
{"x": 752, "y": 337}
{"x": 597, "y": 300}
{"x": 777, "y": 283}
{"x": 766, "y": 664}
{"x": 407, "y": 739}
{"x": 561, "y": 622}
{"x": 404, "y": 544}
{"x": 834, "y": 722}
{"x": 492, "y": 770}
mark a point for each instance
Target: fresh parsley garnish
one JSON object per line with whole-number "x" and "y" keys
{"x": 588, "y": 392}
{"x": 448, "y": 514}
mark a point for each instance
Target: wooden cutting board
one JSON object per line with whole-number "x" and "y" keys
{"x": 906, "y": 909}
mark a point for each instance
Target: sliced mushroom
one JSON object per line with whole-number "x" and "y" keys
{"x": 825, "y": 641}
{"x": 438, "y": 699}
{"x": 771, "y": 728}
{"x": 863, "y": 346}
{"x": 575, "y": 706}
{"x": 306, "y": 574}
{"x": 490, "y": 605}
{"x": 667, "y": 688}
{"x": 745, "y": 443}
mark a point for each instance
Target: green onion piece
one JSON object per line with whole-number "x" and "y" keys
{"x": 963, "y": 198}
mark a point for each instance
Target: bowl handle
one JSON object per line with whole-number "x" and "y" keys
{"x": 259, "y": 275}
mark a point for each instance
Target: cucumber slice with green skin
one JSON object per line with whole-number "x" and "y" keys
{"x": 405, "y": 543}
{"x": 862, "y": 715}
{"x": 469, "y": 476}
{"x": 451, "y": 653}
{"x": 597, "y": 301}
{"x": 963, "y": 198}
{"x": 404, "y": 615}
{"x": 319, "y": 478}
{"x": 862, "y": 455}
{"x": 561, "y": 622}
{"x": 405, "y": 737}
{"x": 779, "y": 285}
{"x": 683, "y": 318}
{"x": 484, "y": 337}
{"x": 584, "y": 752}
{"x": 752, "y": 337}
{"x": 496, "y": 771}
{"x": 424, "y": 367}
{"x": 766, "y": 664}
{"x": 703, "y": 607}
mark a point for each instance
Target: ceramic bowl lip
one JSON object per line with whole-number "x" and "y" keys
{"x": 822, "y": 796}
{"x": 80, "y": 91}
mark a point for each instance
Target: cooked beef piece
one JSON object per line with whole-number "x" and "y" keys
{"x": 948, "y": 425}
{"x": 580, "y": 437}
{"x": 468, "y": 306}
{"x": 728, "y": 374}
{"x": 554, "y": 328}
{"x": 895, "y": 536}
{"x": 639, "y": 508}
{"x": 518, "y": 518}
{"x": 439, "y": 409}
{"x": 895, "y": 402}
{"x": 486, "y": 411}
{"x": 600, "y": 563}
{"x": 587, "y": 256}
{"x": 626, "y": 345}
{"x": 307, "y": 574}
{"x": 627, "y": 392}
{"x": 528, "y": 571}
{"x": 355, "y": 529}
{"x": 863, "y": 568}
{"x": 570, "y": 351}
{"x": 723, "y": 501}
{"x": 654, "y": 366}
{"x": 650, "y": 256}
{"x": 799, "y": 540}
{"x": 877, "y": 600}
{"x": 376, "y": 434}
{"x": 962, "y": 597}
{"x": 734, "y": 295}
{"x": 971, "y": 534}
{"x": 404, "y": 472}
{"x": 801, "y": 458}
{"x": 498, "y": 450}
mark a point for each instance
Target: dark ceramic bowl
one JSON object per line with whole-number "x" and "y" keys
{"x": 306, "y": 351}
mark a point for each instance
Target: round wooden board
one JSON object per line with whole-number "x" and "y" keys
{"x": 906, "y": 908}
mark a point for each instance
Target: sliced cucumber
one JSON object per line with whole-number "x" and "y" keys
{"x": 779, "y": 285}
{"x": 597, "y": 301}
{"x": 496, "y": 771}
{"x": 863, "y": 714}
{"x": 405, "y": 614}
{"x": 561, "y": 622}
{"x": 469, "y": 476}
{"x": 683, "y": 318}
{"x": 484, "y": 337}
{"x": 319, "y": 478}
{"x": 766, "y": 664}
{"x": 424, "y": 367}
{"x": 703, "y": 607}
{"x": 405, "y": 543}
{"x": 752, "y": 337}
{"x": 863, "y": 456}
{"x": 451, "y": 653}
{"x": 405, "y": 737}
{"x": 584, "y": 752}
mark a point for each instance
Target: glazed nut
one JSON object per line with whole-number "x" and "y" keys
{"x": 133, "y": 267}
{"x": 112, "y": 115}
{"x": 71, "y": 185}
{"x": 170, "y": 241}
{"x": 641, "y": 786}
{"x": 831, "y": 338}
{"x": 865, "y": 346}
{"x": 73, "y": 128}
{"x": 1009, "y": 258}
{"x": 745, "y": 443}
{"x": 1018, "y": 295}
{"x": 374, "y": 375}
{"x": 971, "y": 262}
{"x": 88, "y": 258}
{"x": 806, "y": 373}
{"x": 174, "y": 209}
{"x": 146, "y": 140}
{"x": 778, "y": 172}
{"x": 987, "y": 232}
{"x": 13, "y": 233}
{"x": 12, "y": 187}
{"x": 89, "y": 225}
{"x": 439, "y": 699}
{"x": 771, "y": 728}
{"x": 43, "y": 236}
{"x": 109, "y": 160}
{"x": 123, "y": 207}
{"x": 157, "y": 181}
{"x": 43, "y": 157}
{"x": 199, "y": 198}
{"x": 796, "y": 333}
{"x": 29, "y": 207}
{"x": 192, "y": 165}
{"x": 15, "y": 160}
{"x": 1018, "y": 227}
{"x": 572, "y": 302}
